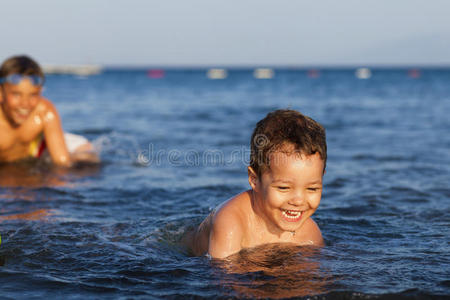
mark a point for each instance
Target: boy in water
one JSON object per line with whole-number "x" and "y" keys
{"x": 287, "y": 164}
{"x": 29, "y": 123}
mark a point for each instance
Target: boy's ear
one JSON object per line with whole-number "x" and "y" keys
{"x": 252, "y": 178}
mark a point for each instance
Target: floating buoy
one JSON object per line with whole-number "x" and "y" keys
{"x": 217, "y": 74}
{"x": 363, "y": 73}
{"x": 313, "y": 73}
{"x": 263, "y": 73}
{"x": 414, "y": 73}
{"x": 156, "y": 73}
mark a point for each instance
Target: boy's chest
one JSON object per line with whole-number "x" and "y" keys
{"x": 14, "y": 152}
{"x": 7, "y": 137}
{"x": 257, "y": 237}
{"x": 13, "y": 140}
{"x": 22, "y": 135}
{"x": 11, "y": 148}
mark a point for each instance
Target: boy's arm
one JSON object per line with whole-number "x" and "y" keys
{"x": 54, "y": 136}
{"x": 225, "y": 236}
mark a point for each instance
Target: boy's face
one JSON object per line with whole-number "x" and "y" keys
{"x": 289, "y": 192}
{"x": 19, "y": 100}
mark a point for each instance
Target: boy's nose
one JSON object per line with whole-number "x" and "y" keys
{"x": 26, "y": 103}
{"x": 297, "y": 200}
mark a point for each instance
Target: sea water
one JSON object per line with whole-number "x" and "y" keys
{"x": 175, "y": 147}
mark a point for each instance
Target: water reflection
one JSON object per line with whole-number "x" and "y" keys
{"x": 275, "y": 271}
{"x": 39, "y": 214}
{"x": 36, "y": 174}
{"x": 18, "y": 182}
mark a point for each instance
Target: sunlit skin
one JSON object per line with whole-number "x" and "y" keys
{"x": 24, "y": 114}
{"x": 277, "y": 209}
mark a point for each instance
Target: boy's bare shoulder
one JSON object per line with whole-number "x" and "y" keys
{"x": 45, "y": 106}
{"x": 235, "y": 210}
{"x": 231, "y": 213}
{"x": 228, "y": 227}
{"x": 44, "y": 112}
{"x": 311, "y": 233}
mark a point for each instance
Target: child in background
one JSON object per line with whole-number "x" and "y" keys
{"x": 287, "y": 164}
{"x": 29, "y": 123}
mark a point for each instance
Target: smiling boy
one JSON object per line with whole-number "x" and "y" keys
{"x": 287, "y": 164}
{"x": 29, "y": 123}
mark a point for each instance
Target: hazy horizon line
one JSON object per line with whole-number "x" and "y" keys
{"x": 256, "y": 66}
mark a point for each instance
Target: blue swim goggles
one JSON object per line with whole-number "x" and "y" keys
{"x": 17, "y": 78}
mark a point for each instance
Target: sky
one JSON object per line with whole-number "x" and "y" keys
{"x": 228, "y": 33}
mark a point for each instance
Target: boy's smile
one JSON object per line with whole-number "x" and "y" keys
{"x": 291, "y": 215}
{"x": 19, "y": 100}
{"x": 289, "y": 191}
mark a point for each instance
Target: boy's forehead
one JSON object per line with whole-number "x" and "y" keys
{"x": 281, "y": 161}
{"x": 24, "y": 85}
{"x": 289, "y": 156}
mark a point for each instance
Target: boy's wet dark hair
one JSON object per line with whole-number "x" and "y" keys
{"x": 22, "y": 65}
{"x": 282, "y": 128}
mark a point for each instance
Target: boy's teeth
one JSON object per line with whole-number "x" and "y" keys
{"x": 292, "y": 214}
{"x": 23, "y": 111}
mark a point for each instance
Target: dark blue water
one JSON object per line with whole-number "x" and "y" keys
{"x": 174, "y": 148}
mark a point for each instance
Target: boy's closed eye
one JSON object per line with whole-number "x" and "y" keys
{"x": 283, "y": 188}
